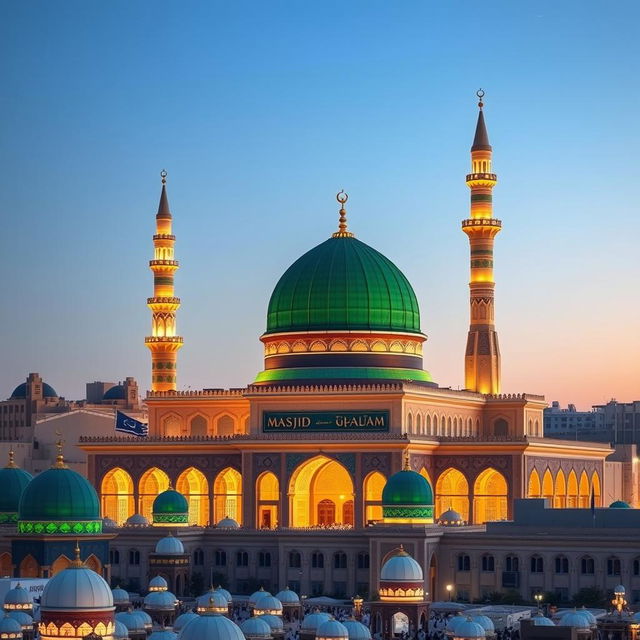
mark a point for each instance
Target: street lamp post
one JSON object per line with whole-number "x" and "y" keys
{"x": 538, "y": 598}
{"x": 357, "y": 606}
{"x": 449, "y": 589}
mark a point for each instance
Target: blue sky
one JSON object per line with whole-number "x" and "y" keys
{"x": 261, "y": 112}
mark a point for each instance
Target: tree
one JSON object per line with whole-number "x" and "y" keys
{"x": 196, "y": 585}
{"x": 590, "y": 597}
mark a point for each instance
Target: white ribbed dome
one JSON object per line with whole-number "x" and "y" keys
{"x": 145, "y": 617}
{"x": 256, "y": 595}
{"x": 170, "y": 546}
{"x": 22, "y": 617}
{"x": 10, "y": 628}
{"x": 133, "y": 622}
{"x": 314, "y": 620}
{"x": 214, "y": 627}
{"x": 485, "y": 622}
{"x": 77, "y": 588}
{"x": 401, "y": 568}
{"x": 181, "y": 621}
{"x": 287, "y": 596}
{"x": 228, "y": 523}
{"x": 120, "y": 596}
{"x": 160, "y": 601}
{"x": 120, "y": 632}
{"x": 18, "y": 595}
{"x": 273, "y": 621}
{"x": 255, "y": 627}
{"x": 332, "y": 629}
{"x": 469, "y": 629}
{"x": 542, "y": 621}
{"x": 158, "y": 583}
{"x": 453, "y": 623}
{"x": 212, "y": 602}
{"x": 357, "y": 630}
{"x": 268, "y": 604}
{"x": 590, "y": 617}
{"x": 450, "y": 518}
{"x": 108, "y": 523}
{"x": 137, "y": 520}
{"x": 619, "y": 589}
{"x": 574, "y": 619}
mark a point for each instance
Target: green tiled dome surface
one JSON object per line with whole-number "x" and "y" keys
{"x": 407, "y": 488}
{"x": 13, "y": 482}
{"x": 59, "y": 494}
{"x": 170, "y": 502}
{"x": 343, "y": 284}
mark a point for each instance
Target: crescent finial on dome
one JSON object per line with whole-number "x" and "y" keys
{"x": 60, "y": 464}
{"x": 342, "y": 232}
{"x": 12, "y": 463}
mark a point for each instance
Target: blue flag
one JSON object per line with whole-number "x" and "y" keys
{"x": 129, "y": 425}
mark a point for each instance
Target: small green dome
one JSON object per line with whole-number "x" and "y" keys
{"x": 620, "y": 504}
{"x": 13, "y": 482}
{"x": 407, "y": 495}
{"x": 170, "y": 507}
{"x": 59, "y": 501}
{"x": 343, "y": 284}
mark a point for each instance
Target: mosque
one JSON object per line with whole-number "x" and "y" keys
{"x": 342, "y": 469}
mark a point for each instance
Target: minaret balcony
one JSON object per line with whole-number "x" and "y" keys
{"x": 164, "y": 236}
{"x": 482, "y": 179}
{"x": 163, "y": 300}
{"x": 164, "y": 263}
{"x": 481, "y": 222}
{"x": 174, "y": 339}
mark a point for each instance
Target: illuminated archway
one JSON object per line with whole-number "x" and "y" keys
{"x": 560, "y": 491}
{"x": 317, "y": 480}
{"x": 193, "y": 485}
{"x": 173, "y": 426}
{"x": 547, "y": 486}
{"x": 6, "y": 566}
{"x": 225, "y": 426}
{"x": 152, "y": 482}
{"x": 373, "y": 486}
{"x": 116, "y": 492}
{"x": 29, "y": 567}
{"x": 584, "y": 495}
{"x": 572, "y": 490}
{"x": 59, "y": 564}
{"x": 227, "y": 495}
{"x": 268, "y": 496}
{"x": 595, "y": 488}
{"x": 489, "y": 496}
{"x": 534, "y": 490}
{"x": 452, "y": 492}
{"x": 399, "y": 624}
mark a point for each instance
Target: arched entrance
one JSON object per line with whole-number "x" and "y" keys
{"x": 268, "y": 496}
{"x": 373, "y": 486}
{"x": 583, "y": 492}
{"x": 59, "y": 564}
{"x": 152, "y": 482}
{"x": 318, "y": 491}
{"x": 6, "y": 566}
{"x": 452, "y": 492}
{"x": 489, "y": 496}
{"x": 547, "y": 486}
{"x": 595, "y": 489}
{"x": 535, "y": 490}
{"x": 227, "y": 495}
{"x": 572, "y": 490}
{"x": 94, "y": 564}
{"x": 400, "y": 624}
{"x": 560, "y": 492}
{"x": 193, "y": 485}
{"x": 116, "y": 492}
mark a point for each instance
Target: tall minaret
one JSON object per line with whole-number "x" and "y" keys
{"x": 163, "y": 342}
{"x": 482, "y": 358}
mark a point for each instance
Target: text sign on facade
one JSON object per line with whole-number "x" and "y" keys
{"x": 344, "y": 421}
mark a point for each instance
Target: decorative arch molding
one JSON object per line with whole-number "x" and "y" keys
{"x": 179, "y": 425}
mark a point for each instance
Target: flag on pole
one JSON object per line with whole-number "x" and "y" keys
{"x": 133, "y": 427}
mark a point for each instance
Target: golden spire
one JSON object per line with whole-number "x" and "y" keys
{"x": 12, "y": 463}
{"x": 342, "y": 232}
{"x": 59, "y": 458}
{"x": 76, "y": 561}
{"x": 407, "y": 466}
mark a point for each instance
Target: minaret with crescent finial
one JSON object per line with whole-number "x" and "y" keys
{"x": 482, "y": 357}
{"x": 163, "y": 341}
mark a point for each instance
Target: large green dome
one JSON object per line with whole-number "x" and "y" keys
{"x": 407, "y": 495}
{"x": 59, "y": 501}
{"x": 170, "y": 508}
{"x": 343, "y": 284}
{"x": 13, "y": 482}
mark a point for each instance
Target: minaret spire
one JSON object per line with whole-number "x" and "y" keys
{"x": 482, "y": 357}
{"x": 163, "y": 343}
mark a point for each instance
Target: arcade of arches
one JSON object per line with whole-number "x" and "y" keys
{"x": 565, "y": 490}
{"x": 321, "y": 493}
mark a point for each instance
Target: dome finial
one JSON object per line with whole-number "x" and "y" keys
{"x": 342, "y": 232}
{"x": 480, "y": 94}
{"x": 59, "y": 464}
{"x": 407, "y": 466}
{"x": 163, "y": 176}
{"x": 77, "y": 562}
{"x": 12, "y": 463}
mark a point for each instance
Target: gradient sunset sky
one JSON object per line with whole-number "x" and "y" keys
{"x": 260, "y": 112}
